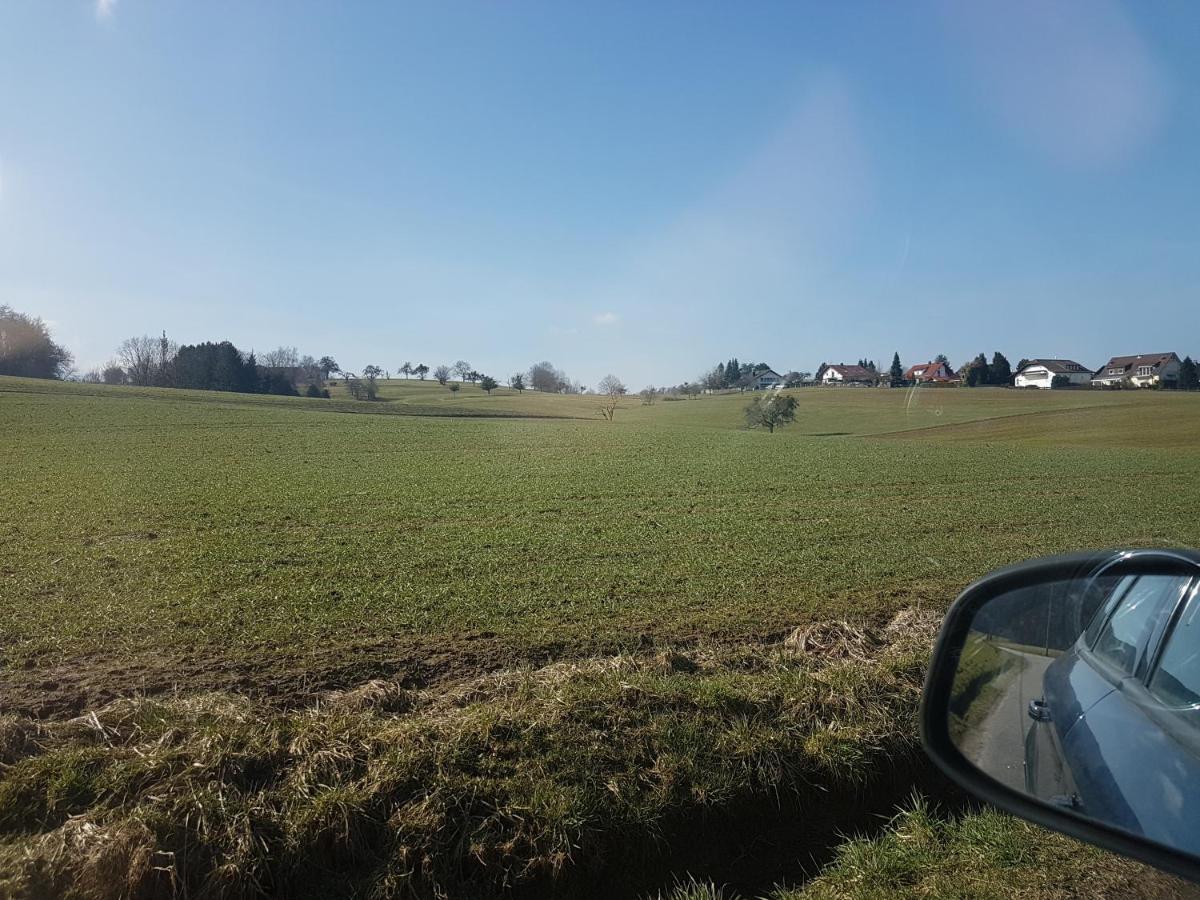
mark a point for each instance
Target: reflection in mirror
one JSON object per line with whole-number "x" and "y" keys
{"x": 1085, "y": 694}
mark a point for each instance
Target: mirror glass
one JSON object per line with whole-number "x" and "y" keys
{"x": 1084, "y": 693}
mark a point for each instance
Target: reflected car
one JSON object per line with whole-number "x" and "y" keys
{"x": 1116, "y": 733}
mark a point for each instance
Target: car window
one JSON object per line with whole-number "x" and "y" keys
{"x": 1123, "y": 638}
{"x": 1176, "y": 680}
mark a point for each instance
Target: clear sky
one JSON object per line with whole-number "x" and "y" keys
{"x": 641, "y": 188}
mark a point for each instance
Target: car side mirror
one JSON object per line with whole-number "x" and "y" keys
{"x": 1066, "y": 691}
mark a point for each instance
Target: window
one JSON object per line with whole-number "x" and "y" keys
{"x": 1145, "y": 370}
{"x": 1147, "y": 598}
{"x": 1115, "y": 371}
{"x": 1176, "y": 680}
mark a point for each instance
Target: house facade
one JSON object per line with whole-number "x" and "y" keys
{"x": 1041, "y": 373}
{"x": 767, "y": 378}
{"x": 926, "y": 372}
{"x": 847, "y": 375}
{"x": 1145, "y": 370}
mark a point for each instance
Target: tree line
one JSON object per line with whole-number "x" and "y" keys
{"x": 27, "y": 349}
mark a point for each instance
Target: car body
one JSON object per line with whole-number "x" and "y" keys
{"x": 1116, "y": 734}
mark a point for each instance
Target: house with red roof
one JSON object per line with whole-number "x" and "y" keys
{"x": 928, "y": 372}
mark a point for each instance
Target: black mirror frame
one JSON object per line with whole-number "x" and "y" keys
{"x": 935, "y": 734}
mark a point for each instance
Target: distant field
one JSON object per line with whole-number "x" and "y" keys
{"x": 316, "y": 632}
{"x": 195, "y": 529}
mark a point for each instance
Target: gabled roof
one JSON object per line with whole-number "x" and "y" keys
{"x": 1057, "y": 366}
{"x": 1125, "y": 363}
{"x": 852, "y": 372}
{"x": 921, "y": 368}
{"x": 768, "y": 371}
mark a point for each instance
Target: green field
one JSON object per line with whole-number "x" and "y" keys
{"x": 168, "y": 544}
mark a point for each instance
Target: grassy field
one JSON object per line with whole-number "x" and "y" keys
{"x": 272, "y": 552}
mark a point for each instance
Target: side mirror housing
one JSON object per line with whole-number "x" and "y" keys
{"x": 1066, "y": 691}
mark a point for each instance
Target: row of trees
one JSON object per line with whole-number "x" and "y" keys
{"x": 213, "y": 366}
{"x": 735, "y": 375}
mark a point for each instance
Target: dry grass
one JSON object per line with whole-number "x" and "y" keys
{"x": 518, "y": 778}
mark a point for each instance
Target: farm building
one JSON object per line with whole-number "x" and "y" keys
{"x": 1145, "y": 370}
{"x": 847, "y": 375}
{"x": 928, "y": 372}
{"x": 1043, "y": 373}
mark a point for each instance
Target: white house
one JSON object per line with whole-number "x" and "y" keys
{"x": 846, "y": 375}
{"x": 1041, "y": 373}
{"x": 767, "y": 378}
{"x": 1146, "y": 370}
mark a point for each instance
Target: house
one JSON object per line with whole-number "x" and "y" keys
{"x": 1145, "y": 370}
{"x": 766, "y": 378}
{"x": 1042, "y": 373}
{"x": 930, "y": 371}
{"x": 847, "y": 375}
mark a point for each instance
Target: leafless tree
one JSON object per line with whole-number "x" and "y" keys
{"x": 517, "y": 382}
{"x": 280, "y": 358}
{"x": 442, "y": 374}
{"x": 612, "y": 390}
{"x": 139, "y": 357}
{"x": 544, "y": 377}
{"x": 649, "y": 395}
{"x": 462, "y": 369}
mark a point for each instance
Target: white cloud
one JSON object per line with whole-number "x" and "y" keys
{"x": 104, "y": 8}
{"x": 606, "y": 318}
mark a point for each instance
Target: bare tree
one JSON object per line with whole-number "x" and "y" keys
{"x": 771, "y": 412}
{"x": 649, "y": 395}
{"x": 442, "y": 374}
{"x": 139, "y": 358}
{"x": 281, "y": 358}
{"x": 612, "y": 390}
{"x": 517, "y": 382}
{"x": 462, "y": 369}
{"x": 544, "y": 377}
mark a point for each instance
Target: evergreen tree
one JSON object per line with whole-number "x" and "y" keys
{"x": 1000, "y": 372}
{"x": 1189, "y": 378}
{"x": 896, "y": 372}
{"x": 975, "y": 372}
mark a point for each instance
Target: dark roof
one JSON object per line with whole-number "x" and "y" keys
{"x": 852, "y": 372}
{"x": 767, "y": 371}
{"x": 1057, "y": 366}
{"x": 1124, "y": 363}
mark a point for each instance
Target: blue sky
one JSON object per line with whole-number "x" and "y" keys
{"x": 637, "y": 188}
